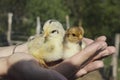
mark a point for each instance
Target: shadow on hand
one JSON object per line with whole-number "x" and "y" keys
{"x": 31, "y": 70}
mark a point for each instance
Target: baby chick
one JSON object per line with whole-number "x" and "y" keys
{"x": 49, "y": 46}
{"x": 53, "y": 34}
{"x": 73, "y": 41}
{"x": 35, "y": 42}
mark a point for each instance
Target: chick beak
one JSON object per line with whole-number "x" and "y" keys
{"x": 80, "y": 37}
{"x": 45, "y": 36}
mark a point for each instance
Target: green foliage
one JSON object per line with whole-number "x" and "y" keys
{"x": 14, "y": 6}
{"x": 46, "y": 9}
{"x": 99, "y": 17}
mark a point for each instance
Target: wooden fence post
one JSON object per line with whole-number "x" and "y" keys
{"x": 38, "y": 27}
{"x": 67, "y": 22}
{"x": 9, "y": 28}
{"x": 115, "y": 57}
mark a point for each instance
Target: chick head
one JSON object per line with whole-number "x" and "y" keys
{"x": 74, "y": 34}
{"x": 53, "y": 29}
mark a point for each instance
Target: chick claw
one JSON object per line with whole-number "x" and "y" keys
{"x": 42, "y": 63}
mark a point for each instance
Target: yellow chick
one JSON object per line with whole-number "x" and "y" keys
{"x": 35, "y": 42}
{"x": 49, "y": 46}
{"x": 73, "y": 41}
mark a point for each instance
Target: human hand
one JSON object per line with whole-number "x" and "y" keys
{"x": 88, "y": 59}
{"x": 96, "y": 62}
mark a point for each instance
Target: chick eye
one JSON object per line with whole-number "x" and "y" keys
{"x": 54, "y": 31}
{"x": 73, "y": 35}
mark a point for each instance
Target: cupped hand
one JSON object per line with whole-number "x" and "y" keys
{"x": 96, "y": 62}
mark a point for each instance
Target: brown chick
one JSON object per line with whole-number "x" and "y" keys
{"x": 73, "y": 41}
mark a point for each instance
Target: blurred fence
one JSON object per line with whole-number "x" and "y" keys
{"x": 11, "y": 41}
{"x": 9, "y": 32}
{"x": 115, "y": 57}
{"x": 38, "y": 29}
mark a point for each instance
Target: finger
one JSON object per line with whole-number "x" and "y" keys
{"x": 87, "y": 53}
{"x": 108, "y": 51}
{"x": 111, "y": 50}
{"x": 90, "y": 67}
{"x": 96, "y": 64}
{"x": 101, "y": 38}
{"x": 89, "y": 41}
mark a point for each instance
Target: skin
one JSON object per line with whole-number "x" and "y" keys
{"x": 74, "y": 67}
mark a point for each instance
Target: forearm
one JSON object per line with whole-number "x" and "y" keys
{"x": 3, "y": 66}
{"x": 6, "y": 51}
{"x": 9, "y": 50}
{"x": 30, "y": 70}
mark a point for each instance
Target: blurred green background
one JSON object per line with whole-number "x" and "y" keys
{"x": 99, "y": 17}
